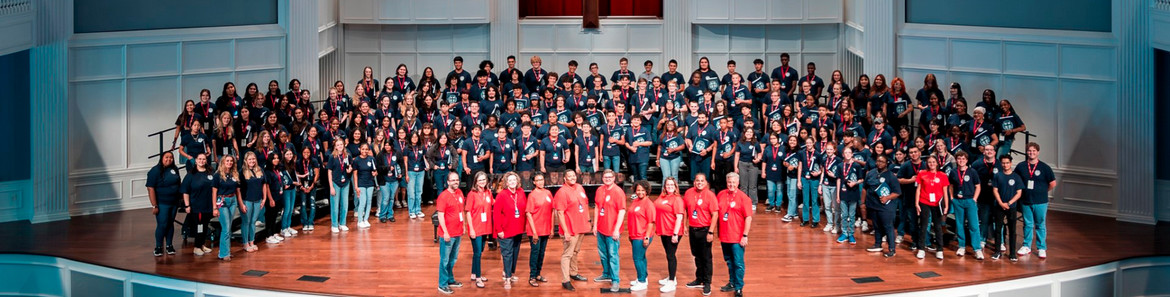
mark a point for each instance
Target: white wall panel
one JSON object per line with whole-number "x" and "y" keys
{"x": 767, "y": 11}
{"x": 418, "y": 46}
{"x": 260, "y": 53}
{"x": 1030, "y": 58}
{"x": 145, "y": 98}
{"x": 744, "y": 43}
{"x": 97, "y": 134}
{"x": 100, "y": 62}
{"x": 1037, "y": 100}
{"x": 923, "y": 52}
{"x": 977, "y": 55}
{"x": 751, "y": 9}
{"x": 409, "y": 12}
{"x": 1088, "y": 117}
{"x": 208, "y": 56}
{"x": 152, "y": 59}
{"x": 1090, "y": 62}
{"x": 559, "y": 41}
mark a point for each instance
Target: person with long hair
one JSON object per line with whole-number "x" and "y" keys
{"x": 389, "y": 173}
{"x": 163, "y": 186}
{"x": 186, "y": 117}
{"x": 810, "y": 170}
{"x": 898, "y": 105}
{"x": 198, "y": 201}
{"x": 509, "y": 224}
{"x": 539, "y": 214}
{"x": 672, "y": 143}
{"x": 571, "y": 206}
{"x": 668, "y": 212}
{"x": 1008, "y": 124}
{"x": 932, "y": 198}
{"x": 339, "y": 169}
{"x": 364, "y": 174}
{"x": 449, "y": 215}
{"x": 748, "y": 154}
{"x": 641, "y": 217}
{"x": 225, "y": 187}
{"x": 849, "y": 194}
{"x": 229, "y": 100}
{"x": 478, "y": 211}
{"x": 773, "y": 174}
{"x": 256, "y": 194}
{"x": 193, "y": 143}
{"x": 414, "y": 157}
{"x": 308, "y": 170}
{"x": 879, "y": 95}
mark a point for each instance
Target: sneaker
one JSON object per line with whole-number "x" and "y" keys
{"x": 446, "y": 290}
{"x": 1013, "y": 258}
{"x": 278, "y": 237}
{"x": 979, "y": 255}
{"x": 786, "y": 219}
{"x": 292, "y": 231}
{"x": 334, "y": 229}
{"x": 1042, "y": 253}
{"x": 803, "y": 223}
{"x": 827, "y": 228}
{"x": 768, "y": 209}
{"x": 738, "y": 293}
{"x": 890, "y": 254}
{"x": 668, "y": 287}
{"x": 694, "y": 284}
{"x": 308, "y": 228}
{"x": 982, "y": 245}
{"x": 898, "y": 240}
{"x": 852, "y": 240}
{"x": 170, "y": 250}
{"x": 873, "y": 249}
{"x": 930, "y": 248}
{"x": 815, "y": 225}
{"x": 921, "y": 254}
{"x": 602, "y": 278}
{"x": 392, "y": 219}
{"x": 864, "y": 226}
{"x": 578, "y": 277}
{"x": 343, "y": 228}
{"x": 158, "y": 252}
{"x": 206, "y": 249}
{"x": 753, "y": 210}
{"x": 835, "y": 230}
{"x": 961, "y": 252}
{"x": 662, "y": 282}
{"x": 284, "y": 233}
{"x": 616, "y": 287}
{"x": 1003, "y": 247}
{"x": 726, "y": 288}
{"x": 1024, "y": 251}
{"x": 996, "y": 255}
{"x": 841, "y": 239}
{"x": 272, "y": 239}
{"x": 706, "y": 290}
{"x": 939, "y": 255}
{"x": 638, "y": 286}
{"x": 199, "y": 252}
{"x": 412, "y": 216}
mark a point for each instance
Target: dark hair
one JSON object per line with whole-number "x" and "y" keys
{"x": 645, "y": 185}
{"x": 573, "y": 63}
{"x": 647, "y": 63}
{"x": 458, "y": 59}
{"x": 758, "y": 61}
{"x": 730, "y": 62}
{"x": 784, "y": 55}
{"x": 511, "y": 57}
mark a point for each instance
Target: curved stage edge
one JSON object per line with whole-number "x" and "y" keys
{"x": 110, "y": 253}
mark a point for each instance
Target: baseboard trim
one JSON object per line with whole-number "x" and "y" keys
{"x": 44, "y": 218}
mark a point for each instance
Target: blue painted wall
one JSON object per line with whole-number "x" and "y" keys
{"x": 1079, "y": 15}
{"x": 91, "y": 16}
{"x": 14, "y": 116}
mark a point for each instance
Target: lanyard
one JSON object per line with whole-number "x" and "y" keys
{"x": 962, "y": 173}
{"x": 809, "y": 160}
{"x": 876, "y": 135}
{"x": 1032, "y": 169}
{"x": 402, "y": 82}
{"x": 784, "y": 72}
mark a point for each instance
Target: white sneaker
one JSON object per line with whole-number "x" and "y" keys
{"x": 835, "y": 230}
{"x": 786, "y": 218}
{"x": 753, "y": 210}
{"x": 961, "y": 252}
{"x": 272, "y": 240}
{"x": 259, "y": 224}
{"x": 939, "y": 255}
{"x": 982, "y": 245}
{"x": 864, "y": 226}
{"x": 662, "y": 282}
{"x": 343, "y": 228}
{"x": 199, "y": 252}
{"x": 278, "y": 237}
{"x": 979, "y": 255}
{"x": 921, "y": 254}
{"x": 1003, "y": 247}
{"x": 1042, "y": 253}
{"x": 668, "y": 287}
{"x": 293, "y": 231}
{"x": 334, "y": 229}
{"x": 898, "y": 240}
{"x": 1024, "y": 251}
{"x": 638, "y": 286}
{"x": 827, "y": 227}
{"x": 206, "y": 249}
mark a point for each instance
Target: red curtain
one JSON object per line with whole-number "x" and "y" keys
{"x": 538, "y": 8}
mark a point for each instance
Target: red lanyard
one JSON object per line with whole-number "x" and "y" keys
{"x": 784, "y": 72}
{"x": 975, "y": 127}
{"x": 876, "y": 135}
{"x": 808, "y": 159}
{"x": 848, "y": 165}
{"x": 775, "y": 153}
{"x": 962, "y": 173}
{"x": 402, "y": 82}
{"x": 279, "y": 177}
{"x": 1032, "y": 169}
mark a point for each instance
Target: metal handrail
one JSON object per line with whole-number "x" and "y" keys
{"x": 160, "y": 142}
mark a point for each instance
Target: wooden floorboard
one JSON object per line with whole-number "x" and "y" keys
{"x": 399, "y": 259}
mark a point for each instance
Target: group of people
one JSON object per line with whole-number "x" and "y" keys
{"x": 816, "y": 146}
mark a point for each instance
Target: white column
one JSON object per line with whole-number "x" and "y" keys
{"x": 1135, "y": 68}
{"x": 505, "y": 33}
{"x": 677, "y": 36}
{"x": 50, "y": 97}
{"x": 880, "y": 37}
{"x": 301, "y": 23}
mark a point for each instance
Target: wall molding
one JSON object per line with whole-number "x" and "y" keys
{"x": 15, "y": 199}
{"x": 1162, "y": 199}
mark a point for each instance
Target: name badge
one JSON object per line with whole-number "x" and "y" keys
{"x": 517, "y": 213}
{"x": 694, "y": 214}
{"x": 1031, "y": 184}
{"x": 580, "y": 208}
{"x": 483, "y": 217}
{"x": 933, "y": 199}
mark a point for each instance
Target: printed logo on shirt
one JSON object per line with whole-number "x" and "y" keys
{"x": 966, "y": 178}
{"x": 1011, "y": 182}
{"x": 637, "y": 208}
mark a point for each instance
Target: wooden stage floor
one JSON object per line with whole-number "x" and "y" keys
{"x": 399, "y": 259}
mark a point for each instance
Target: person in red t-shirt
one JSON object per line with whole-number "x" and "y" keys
{"x": 479, "y": 223}
{"x": 571, "y": 204}
{"x": 669, "y": 209}
{"x": 641, "y": 217}
{"x": 735, "y": 221}
{"x": 933, "y": 198}
{"x": 539, "y": 210}
{"x": 509, "y": 223}
{"x": 607, "y": 226}
{"x": 450, "y": 214}
{"x": 702, "y": 208}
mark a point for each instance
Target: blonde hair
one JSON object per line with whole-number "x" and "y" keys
{"x": 254, "y": 170}
{"x": 224, "y": 171}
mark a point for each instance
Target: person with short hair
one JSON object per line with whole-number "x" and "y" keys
{"x": 1038, "y": 180}
{"x": 641, "y": 217}
{"x": 966, "y": 187}
{"x": 735, "y": 222}
{"x": 449, "y": 215}
{"x": 607, "y": 225}
{"x": 163, "y": 184}
{"x": 702, "y": 206}
{"x": 881, "y": 192}
{"x": 539, "y": 213}
{"x": 571, "y": 204}
{"x": 509, "y": 224}
{"x": 933, "y": 199}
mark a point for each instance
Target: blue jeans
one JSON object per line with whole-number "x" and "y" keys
{"x": 639, "y": 252}
{"x": 536, "y": 256}
{"x": 810, "y": 200}
{"x": 308, "y": 207}
{"x": 226, "y": 214}
{"x": 1035, "y": 216}
{"x": 700, "y": 165}
{"x": 607, "y": 248}
{"x": 775, "y": 193}
{"x": 792, "y": 196}
{"x": 248, "y": 224}
{"x": 448, "y": 253}
{"x": 385, "y": 199}
{"x": 829, "y": 197}
{"x": 670, "y": 168}
{"x": 338, "y": 205}
{"x": 966, "y": 210}
{"x": 639, "y": 171}
{"x": 510, "y": 253}
{"x": 612, "y": 162}
{"x": 733, "y": 254}
{"x": 164, "y": 228}
{"x": 290, "y": 202}
{"x": 414, "y": 189}
{"x": 440, "y": 177}
{"x": 477, "y": 254}
{"x": 361, "y": 209}
{"x": 1005, "y": 147}
{"x": 848, "y": 214}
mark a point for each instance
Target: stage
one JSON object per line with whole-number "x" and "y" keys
{"x": 399, "y": 259}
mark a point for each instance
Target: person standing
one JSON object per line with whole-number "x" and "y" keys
{"x": 571, "y": 204}
{"x": 225, "y": 187}
{"x": 389, "y": 172}
{"x": 256, "y": 195}
{"x": 669, "y": 210}
{"x": 450, "y": 217}
{"x": 339, "y": 170}
{"x": 607, "y": 227}
{"x": 703, "y": 209}
{"x": 881, "y": 193}
{"x": 163, "y": 184}
{"x": 1038, "y": 180}
{"x": 641, "y": 217}
{"x": 509, "y": 223}
{"x": 933, "y": 198}
{"x": 1008, "y": 189}
{"x": 735, "y": 222}
{"x": 198, "y": 198}
{"x": 848, "y": 194}
{"x": 479, "y": 212}
{"x": 539, "y": 212}
{"x": 965, "y": 182}
{"x": 364, "y": 175}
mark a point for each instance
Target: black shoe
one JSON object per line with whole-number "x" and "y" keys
{"x": 876, "y": 248}
{"x": 568, "y": 286}
{"x": 1013, "y": 258}
{"x": 455, "y": 284}
{"x": 170, "y": 250}
{"x": 890, "y": 254}
{"x": 706, "y": 289}
{"x": 726, "y": 288}
{"x": 578, "y": 277}
{"x": 383, "y": 220}
{"x": 391, "y": 219}
{"x": 738, "y": 293}
{"x": 158, "y": 252}
{"x": 815, "y": 225}
{"x": 803, "y": 223}
{"x": 996, "y": 255}
{"x": 446, "y": 290}
{"x": 695, "y": 284}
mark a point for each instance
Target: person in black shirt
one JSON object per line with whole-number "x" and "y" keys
{"x": 163, "y": 183}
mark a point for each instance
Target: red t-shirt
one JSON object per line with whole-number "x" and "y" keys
{"x": 639, "y": 215}
{"x": 450, "y": 203}
{"x": 479, "y": 206}
{"x": 610, "y": 201}
{"x": 572, "y": 201}
{"x": 666, "y": 209}
{"x": 700, "y": 205}
{"x": 508, "y": 213}
{"x": 931, "y": 186}
{"x": 540, "y": 205}
{"x": 734, "y": 209}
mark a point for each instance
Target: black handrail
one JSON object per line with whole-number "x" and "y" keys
{"x": 160, "y": 142}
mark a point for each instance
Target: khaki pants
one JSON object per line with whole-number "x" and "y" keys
{"x": 569, "y": 257}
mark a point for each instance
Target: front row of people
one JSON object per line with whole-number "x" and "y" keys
{"x": 513, "y": 214}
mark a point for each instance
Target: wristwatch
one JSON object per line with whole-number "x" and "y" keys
{"x": 745, "y": 236}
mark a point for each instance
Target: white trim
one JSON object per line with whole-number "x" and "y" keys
{"x": 175, "y": 35}
{"x": 1008, "y": 34}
